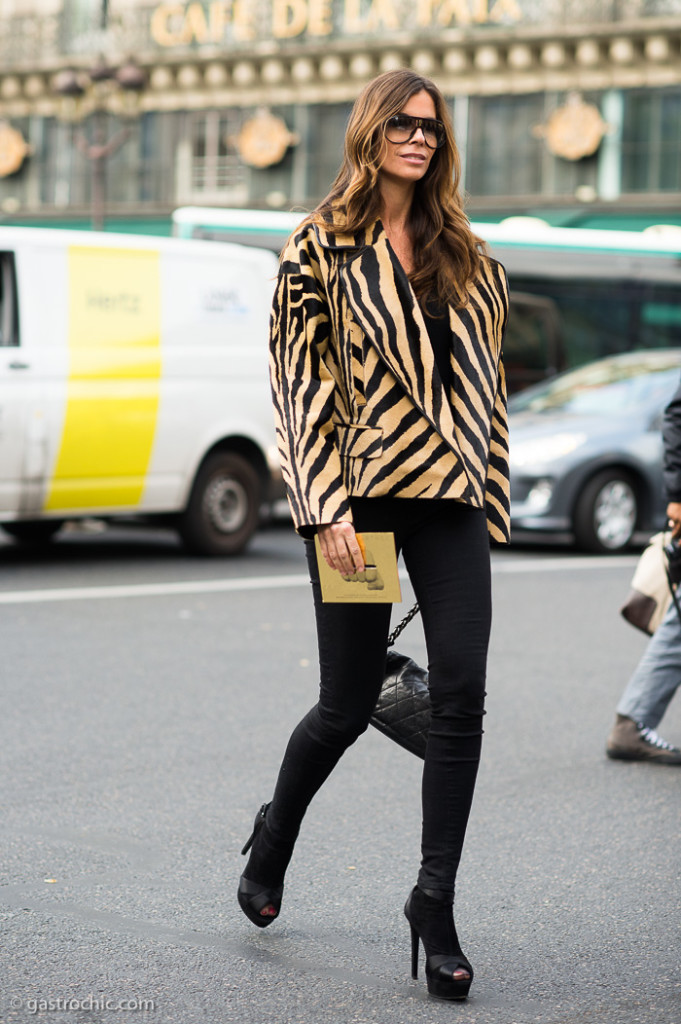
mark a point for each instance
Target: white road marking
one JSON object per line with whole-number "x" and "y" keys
{"x": 528, "y": 565}
{"x": 566, "y": 564}
{"x": 152, "y": 589}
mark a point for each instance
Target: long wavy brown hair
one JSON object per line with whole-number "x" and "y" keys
{"x": 446, "y": 252}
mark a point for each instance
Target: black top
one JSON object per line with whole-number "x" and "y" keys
{"x": 441, "y": 339}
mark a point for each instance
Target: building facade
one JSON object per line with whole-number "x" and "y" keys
{"x": 565, "y": 109}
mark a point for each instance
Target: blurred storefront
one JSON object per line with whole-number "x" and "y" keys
{"x": 565, "y": 109}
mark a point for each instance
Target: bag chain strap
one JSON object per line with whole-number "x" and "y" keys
{"x": 403, "y": 624}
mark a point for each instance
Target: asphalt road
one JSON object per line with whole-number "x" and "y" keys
{"x": 147, "y": 698}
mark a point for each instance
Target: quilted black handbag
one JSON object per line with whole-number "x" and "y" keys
{"x": 402, "y": 711}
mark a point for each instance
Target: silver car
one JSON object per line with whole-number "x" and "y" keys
{"x": 586, "y": 449}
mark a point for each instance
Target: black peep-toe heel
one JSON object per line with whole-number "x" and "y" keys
{"x": 253, "y": 896}
{"x": 432, "y": 921}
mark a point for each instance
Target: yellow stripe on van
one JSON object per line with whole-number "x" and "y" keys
{"x": 113, "y": 388}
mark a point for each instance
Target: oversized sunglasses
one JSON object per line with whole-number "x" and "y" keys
{"x": 403, "y": 128}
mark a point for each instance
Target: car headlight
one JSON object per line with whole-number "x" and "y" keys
{"x": 544, "y": 449}
{"x": 539, "y": 498}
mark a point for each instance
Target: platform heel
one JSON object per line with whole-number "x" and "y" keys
{"x": 431, "y": 921}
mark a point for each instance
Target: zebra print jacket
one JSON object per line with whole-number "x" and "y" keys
{"x": 360, "y": 408}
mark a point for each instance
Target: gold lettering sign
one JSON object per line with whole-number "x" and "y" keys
{"x": 176, "y": 24}
{"x": 216, "y": 21}
{"x": 294, "y": 17}
{"x": 379, "y": 14}
{"x": 163, "y": 21}
{"x": 289, "y": 18}
{"x": 320, "y": 20}
{"x": 443, "y": 12}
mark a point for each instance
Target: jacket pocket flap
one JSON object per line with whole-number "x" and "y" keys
{"x": 357, "y": 442}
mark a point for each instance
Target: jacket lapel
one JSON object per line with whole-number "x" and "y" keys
{"x": 383, "y": 303}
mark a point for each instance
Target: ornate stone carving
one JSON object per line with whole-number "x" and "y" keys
{"x": 264, "y": 139}
{"x": 574, "y": 130}
{"x": 13, "y": 149}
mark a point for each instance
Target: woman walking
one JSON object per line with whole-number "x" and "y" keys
{"x": 390, "y": 403}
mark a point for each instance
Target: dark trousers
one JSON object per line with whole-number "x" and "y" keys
{"x": 446, "y": 551}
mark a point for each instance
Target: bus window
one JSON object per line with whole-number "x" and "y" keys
{"x": 597, "y": 317}
{"x": 605, "y": 316}
{"x": 660, "y": 323}
{"x": 533, "y": 346}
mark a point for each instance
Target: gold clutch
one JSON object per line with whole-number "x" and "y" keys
{"x": 378, "y": 583}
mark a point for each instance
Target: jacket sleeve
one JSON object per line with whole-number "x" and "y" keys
{"x": 303, "y": 391}
{"x": 671, "y": 434}
{"x": 497, "y": 486}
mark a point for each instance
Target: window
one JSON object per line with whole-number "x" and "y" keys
{"x": 216, "y": 169}
{"x": 324, "y": 144}
{"x": 9, "y": 320}
{"x": 532, "y": 343}
{"x": 660, "y": 323}
{"x": 651, "y": 141}
{"x": 504, "y": 156}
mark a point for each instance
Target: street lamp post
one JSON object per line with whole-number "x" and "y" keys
{"x": 88, "y": 92}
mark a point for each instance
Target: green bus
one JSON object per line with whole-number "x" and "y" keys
{"x": 576, "y": 294}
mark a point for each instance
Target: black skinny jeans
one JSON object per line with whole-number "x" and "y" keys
{"x": 446, "y": 551}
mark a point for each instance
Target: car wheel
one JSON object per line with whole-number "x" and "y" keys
{"x": 35, "y": 532}
{"x": 222, "y": 514}
{"x": 606, "y": 512}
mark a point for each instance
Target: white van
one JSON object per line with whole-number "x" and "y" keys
{"x": 134, "y": 382}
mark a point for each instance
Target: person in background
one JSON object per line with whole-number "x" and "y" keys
{"x": 658, "y": 674}
{"x": 390, "y": 406}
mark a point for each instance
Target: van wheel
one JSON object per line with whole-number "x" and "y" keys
{"x": 38, "y": 532}
{"x": 223, "y": 509}
{"x": 606, "y": 512}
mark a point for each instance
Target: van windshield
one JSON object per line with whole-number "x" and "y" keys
{"x": 8, "y": 312}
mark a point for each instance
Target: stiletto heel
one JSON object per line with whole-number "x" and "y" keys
{"x": 254, "y": 896}
{"x": 257, "y": 825}
{"x": 414, "y": 952}
{"x": 431, "y": 921}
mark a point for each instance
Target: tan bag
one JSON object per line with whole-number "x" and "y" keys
{"x": 650, "y": 594}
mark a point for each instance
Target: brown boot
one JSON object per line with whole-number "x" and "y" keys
{"x": 631, "y": 742}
